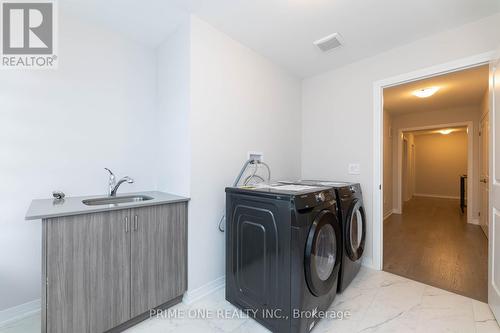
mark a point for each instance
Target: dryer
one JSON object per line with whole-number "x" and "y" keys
{"x": 283, "y": 254}
{"x": 352, "y": 215}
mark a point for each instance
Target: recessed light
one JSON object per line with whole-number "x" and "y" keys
{"x": 446, "y": 131}
{"x": 426, "y": 92}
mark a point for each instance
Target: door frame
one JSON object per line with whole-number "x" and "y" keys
{"x": 378, "y": 153}
{"x": 470, "y": 160}
{"x": 403, "y": 183}
{"x": 481, "y": 157}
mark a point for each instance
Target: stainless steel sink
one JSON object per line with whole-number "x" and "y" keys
{"x": 116, "y": 200}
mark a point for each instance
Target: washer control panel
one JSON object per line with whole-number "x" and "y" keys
{"x": 320, "y": 197}
{"x": 314, "y": 199}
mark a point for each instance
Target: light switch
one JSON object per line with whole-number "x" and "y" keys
{"x": 354, "y": 169}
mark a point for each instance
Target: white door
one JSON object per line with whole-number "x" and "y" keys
{"x": 484, "y": 174}
{"x": 494, "y": 210}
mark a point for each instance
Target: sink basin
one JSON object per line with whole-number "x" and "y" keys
{"x": 116, "y": 200}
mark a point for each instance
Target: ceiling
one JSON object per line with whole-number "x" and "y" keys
{"x": 284, "y": 30}
{"x": 148, "y": 22}
{"x": 457, "y": 89}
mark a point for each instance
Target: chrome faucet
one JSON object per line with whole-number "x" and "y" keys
{"x": 113, "y": 185}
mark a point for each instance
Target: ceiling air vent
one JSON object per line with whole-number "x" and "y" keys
{"x": 329, "y": 42}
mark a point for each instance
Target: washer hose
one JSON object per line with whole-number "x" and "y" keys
{"x": 247, "y": 180}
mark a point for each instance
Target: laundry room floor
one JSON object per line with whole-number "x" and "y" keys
{"x": 377, "y": 301}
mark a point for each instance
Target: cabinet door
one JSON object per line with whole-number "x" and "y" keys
{"x": 88, "y": 272}
{"x": 159, "y": 253}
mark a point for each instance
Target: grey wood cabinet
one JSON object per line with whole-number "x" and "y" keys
{"x": 158, "y": 255}
{"x": 102, "y": 270}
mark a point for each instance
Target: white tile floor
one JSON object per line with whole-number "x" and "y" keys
{"x": 377, "y": 302}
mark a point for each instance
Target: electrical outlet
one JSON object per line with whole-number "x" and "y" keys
{"x": 354, "y": 169}
{"x": 256, "y": 156}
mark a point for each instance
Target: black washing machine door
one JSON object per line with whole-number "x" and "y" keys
{"x": 323, "y": 253}
{"x": 355, "y": 230}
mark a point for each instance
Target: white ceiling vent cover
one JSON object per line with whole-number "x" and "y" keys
{"x": 329, "y": 42}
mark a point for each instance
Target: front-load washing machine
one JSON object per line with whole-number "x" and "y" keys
{"x": 283, "y": 254}
{"x": 351, "y": 213}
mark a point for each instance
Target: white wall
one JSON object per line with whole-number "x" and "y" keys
{"x": 60, "y": 128}
{"x": 240, "y": 102}
{"x": 440, "y": 161}
{"x": 174, "y": 157}
{"x": 180, "y": 118}
{"x": 338, "y": 105}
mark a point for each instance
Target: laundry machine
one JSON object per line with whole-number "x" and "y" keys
{"x": 283, "y": 253}
{"x": 352, "y": 216}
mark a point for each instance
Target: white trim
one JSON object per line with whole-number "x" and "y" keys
{"x": 19, "y": 312}
{"x": 378, "y": 86}
{"x": 378, "y": 192}
{"x": 368, "y": 262}
{"x": 428, "y": 195}
{"x": 392, "y": 211}
{"x": 401, "y": 141}
{"x": 194, "y": 295}
{"x": 474, "y": 221}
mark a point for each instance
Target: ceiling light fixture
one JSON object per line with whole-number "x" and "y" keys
{"x": 446, "y": 131}
{"x": 426, "y": 92}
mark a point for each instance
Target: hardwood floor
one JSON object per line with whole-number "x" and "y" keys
{"x": 432, "y": 242}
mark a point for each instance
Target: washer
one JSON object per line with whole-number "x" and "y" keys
{"x": 283, "y": 254}
{"x": 351, "y": 213}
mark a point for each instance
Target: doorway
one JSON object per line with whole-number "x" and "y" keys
{"x": 438, "y": 126}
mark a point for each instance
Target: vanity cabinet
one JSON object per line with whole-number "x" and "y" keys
{"x": 104, "y": 271}
{"x": 158, "y": 250}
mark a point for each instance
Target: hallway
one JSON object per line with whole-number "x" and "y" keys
{"x": 431, "y": 242}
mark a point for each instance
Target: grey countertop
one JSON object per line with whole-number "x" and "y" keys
{"x": 47, "y": 208}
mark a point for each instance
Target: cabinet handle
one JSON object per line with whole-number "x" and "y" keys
{"x": 136, "y": 222}
{"x": 126, "y": 224}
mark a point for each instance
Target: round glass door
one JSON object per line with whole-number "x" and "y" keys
{"x": 356, "y": 231}
{"x": 323, "y": 253}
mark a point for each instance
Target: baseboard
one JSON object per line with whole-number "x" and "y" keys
{"x": 388, "y": 214}
{"x": 473, "y": 221}
{"x": 194, "y": 295}
{"x": 19, "y": 312}
{"x": 394, "y": 211}
{"x": 368, "y": 262}
{"x": 435, "y": 196}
